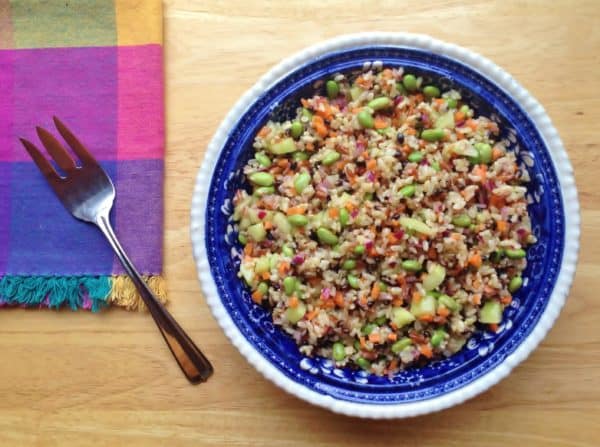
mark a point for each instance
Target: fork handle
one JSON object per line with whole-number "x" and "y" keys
{"x": 192, "y": 362}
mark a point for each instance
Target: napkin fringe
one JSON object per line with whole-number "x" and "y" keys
{"x": 77, "y": 292}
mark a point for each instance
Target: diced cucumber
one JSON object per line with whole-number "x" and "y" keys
{"x": 355, "y": 92}
{"x": 285, "y": 146}
{"x": 435, "y": 276}
{"x": 273, "y": 261}
{"x": 412, "y": 224}
{"x": 491, "y": 312}
{"x": 445, "y": 121}
{"x": 257, "y": 232}
{"x": 262, "y": 265}
{"x": 426, "y": 306}
{"x": 295, "y": 314}
{"x": 281, "y": 223}
{"x": 247, "y": 274}
{"x": 401, "y": 345}
{"x": 401, "y": 317}
{"x": 239, "y": 209}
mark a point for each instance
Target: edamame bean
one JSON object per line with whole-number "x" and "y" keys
{"x": 368, "y": 328}
{"x": 497, "y": 255}
{"x": 333, "y": 89}
{"x": 412, "y": 265}
{"x": 518, "y": 253}
{"x": 300, "y": 156}
{"x": 326, "y": 236}
{"x": 432, "y": 134}
{"x": 380, "y": 321}
{"x": 353, "y": 281}
{"x": 401, "y": 345}
{"x": 295, "y": 314}
{"x": 515, "y": 284}
{"x": 289, "y": 285}
{"x": 344, "y": 217}
{"x": 262, "y": 178}
{"x": 431, "y": 91}
{"x": 485, "y": 152}
{"x": 436, "y": 166}
{"x": 438, "y": 337}
{"x": 257, "y": 232}
{"x": 331, "y": 157}
{"x": 452, "y": 103}
{"x": 263, "y": 190}
{"x": 380, "y": 103}
{"x": 262, "y": 288}
{"x": 287, "y": 251}
{"x": 301, "y": 181}
{"x": 415, "y": 157}
{"x": 297, "y": 129}
{"x": 383, "y": 286}
{"x": 307, "y": 113}
{"x": 298, "y": 220}
{"x": 401, "y": 89}
{"x": 408, "y": 190}
{"x": 359, "y": 249}
{"x": 349, "y": 264}
{"x": 462, "y": 221}
{"x": 466, "y": 110}
{"x": 363, "y": 363}
{"x": 243, "y": 239}
{"x": 262, "y": 159}
{"x": 365, "y": 119}
{"x": 339, "y": 352}
{"x": 410, "y": 82}
{"x": 448, "y": 303}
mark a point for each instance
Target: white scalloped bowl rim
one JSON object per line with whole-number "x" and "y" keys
{"x": 567, "y": 187}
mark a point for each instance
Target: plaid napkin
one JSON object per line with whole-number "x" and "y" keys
{"x": 97, "y": 65}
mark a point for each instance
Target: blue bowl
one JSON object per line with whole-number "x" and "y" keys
{"x": 484, "y": 359}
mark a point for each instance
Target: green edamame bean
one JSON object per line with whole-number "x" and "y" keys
{"x": 363, "y": 363}
{"x": 301, "y": 182}
{"x": 518, "y": 253}
{"x": 333, "y": 89}
{"x": 300, "y": 156}
{"x": 365, "y": 119}
{"x": 401, "y": 345}
{"x": 383, "y": 286}
{"x": 466, "y": 110}
{"x": 307, "y": 113}
{"x": 339, "y": 352}
{"x": 461, "y": 221}
{"x": 438, "y": 337}
{"x": 295, "y": 314}
{"x": 415, "y": 157}
{"x": 436, "y": 166}
{"x": 410, "y": 82}
{"x": 263, "y": 190}
{"x": 242, "y": 238}
{"x": 349, "y": 264}
{"x": 331, "y": 157}
{"x": 497, "y": 255}
{"x": 297, "y": 220}
{"x": 431, "y": 91}
{"x": 515, "y": 284}
{"x": 380, "y": 321}
{"x": 326, "y": 236}
{"x": 380, "y": 103}
{"x": 452, "y": 103}
{"x": 359, "y": 249}
{"x": 412, "y": 265}
{"x": 401, "y": 89}
{"x": 289, "y": 285}
{"x": 262, "y": 287}
{"x": 432, "y": 135}
{"x": 408, "y": 190}
{"x": 297, "y": 129}
{"x": 353, "y": 281}
{"x": 368, "y": 328}
{"x": 262, "y": 178}
{"x": 287, "y": 251}
{"x": 448, "y": 303}
{"x": 485, "y": 152}
{"x": 262, "y": 159}
{"x": 344, "y": 217}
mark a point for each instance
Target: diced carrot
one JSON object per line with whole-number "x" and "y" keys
{"x": 459, "y": 116}
{"x": 427, "y": 318}
{"x": 475, "y": 260}
{"x": 248, "y": 248}
{"x": 265, "y": 275}
{"x": 296, "y": 210}
{"x": 372, "y": 252}
{"x": 312, "y": 314}
{"x": 365, "y": 155}
{"x": 460, "y": 135}
{"x": 310, "y": 147}
{"x": 502, "y": 226}
{"x": 410, "y": 131}
{"x": 443, "y": 311}
{"x": 264, "y": 132}
{"x": 481, "y": 172}
{"x": 472, "y": 124}
{"x": 397, "y": 301}
{"x": 440, "y": 101}
{"x": 267, "y": 224}
{"x": 374, "y": 337}
{"x": 329, "y": 304}
{"x": 333, "y": 213}
{"x": 391, "y": 238}
{"x": 363, "y": 300}
{"x": 349, "y": 206}
{"x": 339, "y": 299}
{"x": 425, "y": 349}
{"x": 375, "y": 291}
{"x": 497, "y": 153}
{"x": 493, "y": 327}
{"x": 283, "y": 267}
{"x": 497, "y": 201}
{"x": 293, "y": 301}
{"x": 362, "y": 341}
{"x": 319, "y": 125}
{"x": 393, "y": 325}
{"x": 488, "y": 290}
{"x": 257, "y": 296}
{"x": 392, "y": 336}
{"x": 416, "y": 296}
{"x": 476, "y": 299}
{"x": 371, "y": 164}
{"x": 381, "y": 123}
{"x": 506, "y": 299}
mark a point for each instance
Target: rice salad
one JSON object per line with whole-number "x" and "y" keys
{"x": 383, "y": 224}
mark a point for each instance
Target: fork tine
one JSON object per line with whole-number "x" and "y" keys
{"x": 56, "y": 150}
{"x": 42, "y": 163}
{"x": 74, "y": 143}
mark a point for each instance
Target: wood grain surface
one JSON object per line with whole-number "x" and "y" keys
{"x": 81, "y": 379}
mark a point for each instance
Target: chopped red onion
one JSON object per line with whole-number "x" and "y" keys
{"x": 325, "y": 293}
{"x": 370, "y": 176}
{"x": 298, "y": 259}
{"x": 398, "y": 99}
{"x": 262, "y": 214}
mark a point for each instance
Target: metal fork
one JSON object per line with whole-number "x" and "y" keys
{"x": 87, "y": 193}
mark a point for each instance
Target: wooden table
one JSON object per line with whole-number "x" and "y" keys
{"x": 79, "y": 379}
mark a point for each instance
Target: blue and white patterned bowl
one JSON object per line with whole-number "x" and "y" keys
{"x": 488, "y": 357}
